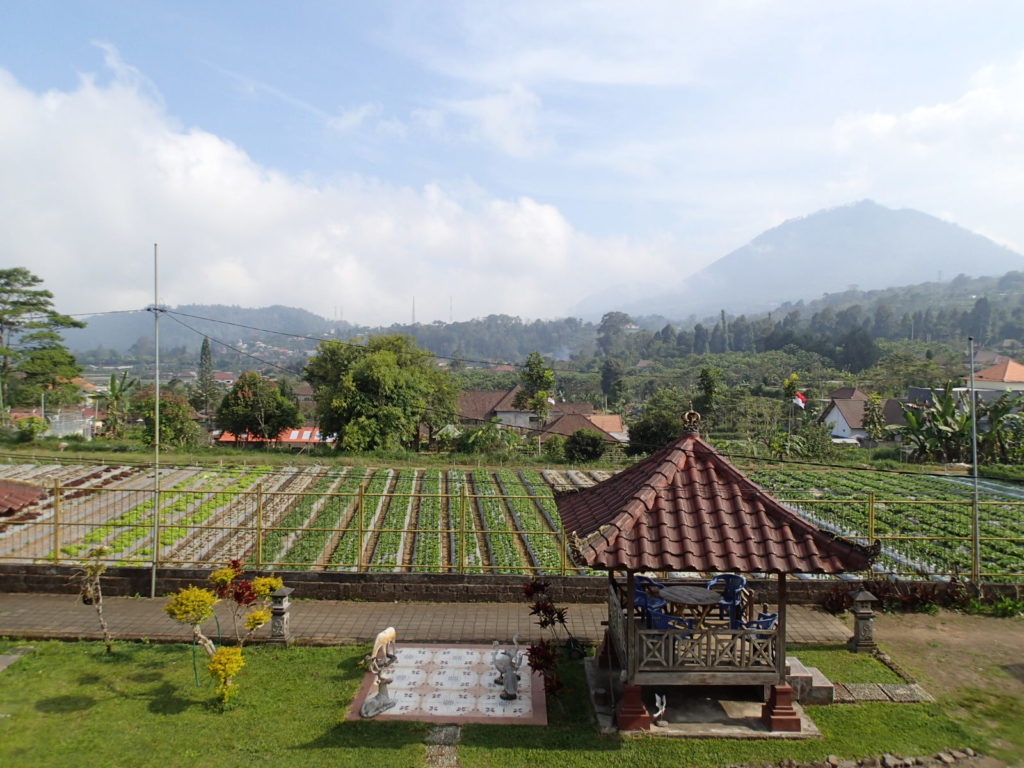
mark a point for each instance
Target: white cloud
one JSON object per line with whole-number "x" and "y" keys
{"x": 509, "y": 120}
{"x": 352, "y": 118}
{"x": 611, "y": 43}
{"x": 967, "y": 151}
{"x": 93, "y": 176}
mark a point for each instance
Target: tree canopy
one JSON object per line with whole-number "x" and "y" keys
{"x": 30, "y": 341}
{"x": 536, "y": 380}
{"x": 255, "y": 407}
{"x": 376, "y": 395}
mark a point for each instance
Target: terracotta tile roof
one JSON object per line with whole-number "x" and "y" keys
{"x": 853, "y": 411}
{"x": 609, "y": 422}
{"x": 16, "y": 496}
{"x": 686, "y": 508}
{"x": 507, "y": 401}
{"x": 1008, "y": 372}
{"x": 572, "y": 422}
{"x": 482, "y": 404}
{"x": 479, "y": 404}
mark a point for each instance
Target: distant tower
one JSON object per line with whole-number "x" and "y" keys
{"x": 451, "y": 310}
{"x": 414, "y": 310}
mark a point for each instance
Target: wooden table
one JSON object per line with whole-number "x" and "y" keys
{"x": 694, "y": 601}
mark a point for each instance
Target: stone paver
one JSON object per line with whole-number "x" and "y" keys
{"x": 867, "y": 692}
{"x": 329, "y": 622}
{"x": 905, "y": 693}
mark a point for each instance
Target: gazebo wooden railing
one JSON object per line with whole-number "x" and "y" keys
{"x": 707, "y": 655}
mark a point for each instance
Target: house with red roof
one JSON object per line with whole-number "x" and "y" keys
{"x": 1005, "y": 376}
{"x": 564, "y": 418}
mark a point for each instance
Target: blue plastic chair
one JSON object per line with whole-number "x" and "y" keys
{"x": 764, "y": 622}
{"x": 658, "y": 619}
{"x": 731, "y": 602}
{"x": 645, "y": 582}
{"x": 646, "y": 602}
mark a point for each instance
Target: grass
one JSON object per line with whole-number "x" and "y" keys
{"x": 70, "y": 704}
{"x": 850, "y": 731}
{"x": 841, "y": 666}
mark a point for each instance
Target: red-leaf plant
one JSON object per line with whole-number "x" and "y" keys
{"x": 543, "y": 656}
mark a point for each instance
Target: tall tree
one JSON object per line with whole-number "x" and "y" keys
{"x": 613, "y": 371}
{"x": 255, "y": 407}
{"x": 29, "y": 328}
{"x": 701, "y": 339}
{"x": 376, "y": 395}
{"x": 537, "y": 381}
{"x": 611, "y": 333}
{"x": 206, "y": 394}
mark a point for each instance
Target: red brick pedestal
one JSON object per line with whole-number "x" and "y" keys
{"x": 631, "y": 714}
{"x": 778, "y": 714}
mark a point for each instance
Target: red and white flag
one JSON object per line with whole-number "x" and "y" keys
{"x": 800, "y": 399}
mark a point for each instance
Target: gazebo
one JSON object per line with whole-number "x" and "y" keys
{"x": 686, "y": 508}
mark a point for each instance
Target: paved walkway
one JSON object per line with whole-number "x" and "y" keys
{"x": 330, "y": 622}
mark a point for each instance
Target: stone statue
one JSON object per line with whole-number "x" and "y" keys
{"x": 385, "y": 642}
{"x": 507, "y": 661}
{"x": 380, "y": 701}
{"x": 382, "y": 657}
{"x": 660, "y": 703}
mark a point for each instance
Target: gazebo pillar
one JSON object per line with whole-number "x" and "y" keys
{"x": 779, "y": 714}
{"x": 631, "y": 714}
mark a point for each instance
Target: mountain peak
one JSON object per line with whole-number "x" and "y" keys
{"x": 862, "y": 243}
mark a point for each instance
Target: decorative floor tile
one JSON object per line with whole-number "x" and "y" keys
{"x": 454, "y": 684}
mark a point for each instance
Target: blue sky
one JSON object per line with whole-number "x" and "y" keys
{"x": 509, "y": 157}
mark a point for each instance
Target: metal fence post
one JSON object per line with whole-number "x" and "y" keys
{"x": 564, "y": 553}
{"x": 56, "y": 521}
{"x": 975, "y": 542}
{"x": 359, "y": 545}
{"x": 463, "y": 497}
{"x": 871, "y": 519}
{"x": 259, "y": 526}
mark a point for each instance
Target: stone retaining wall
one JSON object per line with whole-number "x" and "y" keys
{"x": 385, "y": 587}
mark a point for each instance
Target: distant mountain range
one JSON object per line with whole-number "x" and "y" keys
{"x": 865, "y": 245}
{"x": 231, "y": 324}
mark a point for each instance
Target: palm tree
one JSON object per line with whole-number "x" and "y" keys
{"x": 115, "y": 401}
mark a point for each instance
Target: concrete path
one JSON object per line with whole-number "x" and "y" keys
{"x": 329, "y": 622}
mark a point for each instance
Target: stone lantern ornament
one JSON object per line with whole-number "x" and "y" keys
{"x": 280, "y": 631}
{"x": 863, "y": 639}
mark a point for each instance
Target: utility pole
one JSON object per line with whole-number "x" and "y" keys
{"x": 156, "y": 424}
{"x": 975, "y": 522}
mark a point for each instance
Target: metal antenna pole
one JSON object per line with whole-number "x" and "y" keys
{"x": 975, "y": 523}
{"x": 156, "y": 425}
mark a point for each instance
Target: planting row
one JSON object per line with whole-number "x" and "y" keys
{"x": 925, "y": 522}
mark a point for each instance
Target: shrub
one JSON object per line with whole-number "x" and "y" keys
{"x": 554, "y": 449}
{"x": 584, "y": 445}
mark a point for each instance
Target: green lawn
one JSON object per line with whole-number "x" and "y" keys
{"x": 841, "y": 666}
{"x": 849, "y": 730}
{"x": 70, "y": 704}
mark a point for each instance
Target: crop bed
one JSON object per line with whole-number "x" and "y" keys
{"x": 482, "y": 521}
{"x": 923, "y": 521}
